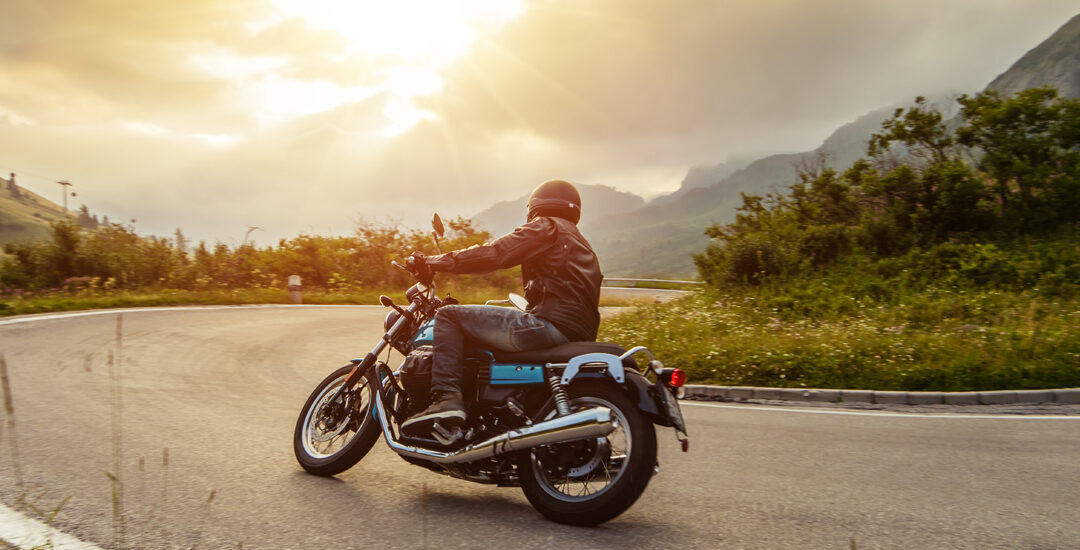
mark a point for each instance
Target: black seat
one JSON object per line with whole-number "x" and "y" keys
{"x": 558, "y": 354}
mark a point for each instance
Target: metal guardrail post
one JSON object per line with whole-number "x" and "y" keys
{"x": 294, "y": 290}
{"x": 633, "y": 283}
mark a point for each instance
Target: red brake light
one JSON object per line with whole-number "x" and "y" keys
{"x": 678, "y": 378}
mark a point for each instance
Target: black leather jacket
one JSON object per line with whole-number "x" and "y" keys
{"x": 558, "y": 268}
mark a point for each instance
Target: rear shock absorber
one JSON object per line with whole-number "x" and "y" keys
{"x": 562, "y": 404}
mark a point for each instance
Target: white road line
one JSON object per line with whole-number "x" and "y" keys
{"x": 884, "y": 414}
{"x": 23, "y": 532}
{"x": 53, "y": 316}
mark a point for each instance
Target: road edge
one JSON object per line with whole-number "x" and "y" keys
{"x": 25, "y": 532}
{"x": 815, "y": 395}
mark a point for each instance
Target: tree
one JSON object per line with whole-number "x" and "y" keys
{"x": 920, "y": 128}
{"x": 63, "y": 252}
{"x": 1030, "y": 148}
{"x": 84, "y": 219}
{"x": 13, "y": 188}
{"x": 181, "y": 242}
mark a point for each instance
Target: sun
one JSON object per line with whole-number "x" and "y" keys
{"x": 413, "y": 40}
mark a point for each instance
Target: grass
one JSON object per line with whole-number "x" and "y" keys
{"x": 949, "y": 319}
{"x": 22, "y": 303}
{"x": 26, "y": 218}
{"x": 659, "y": 285}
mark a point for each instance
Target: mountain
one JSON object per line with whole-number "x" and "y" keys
{"x": 24, "y": 215}
{"x": 597, "y": 201}
{"x": 659, "y": 238}
{"x": 706, "y": 175}
{"x": 1055, "y": 62}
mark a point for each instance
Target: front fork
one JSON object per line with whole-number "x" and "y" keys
{"x": 362, "y": 367}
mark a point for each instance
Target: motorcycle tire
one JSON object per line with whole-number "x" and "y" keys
{"x": 543, "y": 470}
{"x": 356, "y": 431}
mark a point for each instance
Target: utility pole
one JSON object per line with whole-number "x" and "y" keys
{"x": 248, "y": 234}
{"x": 64, "y": 184}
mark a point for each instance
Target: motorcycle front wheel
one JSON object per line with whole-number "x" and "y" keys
{"x": 592, "y": 481}
{"x": 335, "y": 431}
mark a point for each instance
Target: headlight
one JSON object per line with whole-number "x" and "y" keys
{"x": 391, "y": 317}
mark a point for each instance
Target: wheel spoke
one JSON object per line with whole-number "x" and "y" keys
{"x": 586, "y": 476}
{"x": 329, "y": 431}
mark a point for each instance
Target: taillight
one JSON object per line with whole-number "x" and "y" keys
{"x": 678, "y": 378}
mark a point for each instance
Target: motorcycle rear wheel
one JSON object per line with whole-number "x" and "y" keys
{"x": 590, "y": 482}
{"x": 331, "y": 435}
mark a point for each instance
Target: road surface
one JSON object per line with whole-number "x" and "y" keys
{"x": 219, "y": 389}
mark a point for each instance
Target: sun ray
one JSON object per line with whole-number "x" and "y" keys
{"x": 552, "y": 84}
{"x": 412, "y": 41}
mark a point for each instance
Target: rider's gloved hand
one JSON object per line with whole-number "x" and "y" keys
{"x": 417, "y": 264}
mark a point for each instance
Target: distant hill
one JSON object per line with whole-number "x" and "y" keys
{"x": 705, "y": 175}
{"x": 1055, "y": 62}
{"x": 597, "y": 201}
{"x": 24, "y": 215}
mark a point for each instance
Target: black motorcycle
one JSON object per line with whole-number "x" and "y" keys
{"x": 571, "y": 425}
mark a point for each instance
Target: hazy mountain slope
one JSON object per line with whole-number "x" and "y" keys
{"x": 1056, "y": 61}
{"x": 597, "y": 201}
{"x": 27, "y": 217}
{"x": 659, "y": 238}
{"x": 705, "y": 175}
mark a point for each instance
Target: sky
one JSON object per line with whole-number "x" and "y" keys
{"x": 312, "y": 116}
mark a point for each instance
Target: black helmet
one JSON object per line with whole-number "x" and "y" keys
{"x": 555, "y": 198}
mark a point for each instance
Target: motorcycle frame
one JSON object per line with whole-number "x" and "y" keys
{"x": 593, "y": 366}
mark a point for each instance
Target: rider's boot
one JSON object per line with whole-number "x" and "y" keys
{"x": 447, "y": 408}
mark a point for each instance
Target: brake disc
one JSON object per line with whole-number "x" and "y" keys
{"x": 600, "y": 454}
{"x": 329, "y": 434}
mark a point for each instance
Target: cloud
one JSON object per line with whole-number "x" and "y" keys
{"x": 214, "y": 115}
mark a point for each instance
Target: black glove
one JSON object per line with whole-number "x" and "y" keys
{"x": 417, "y": 265}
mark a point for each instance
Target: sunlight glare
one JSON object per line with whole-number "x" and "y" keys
{"x": 412, "y": 39}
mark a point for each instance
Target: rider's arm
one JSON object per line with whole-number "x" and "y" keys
{"x": 525, "y": 242}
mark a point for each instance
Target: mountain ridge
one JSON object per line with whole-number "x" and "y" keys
{"x": 597, "y": 201}
{"x": 1054, "y": 61}
{"x": 660, "y": 238}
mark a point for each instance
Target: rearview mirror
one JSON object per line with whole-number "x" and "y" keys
{"x": 436, "y": 224}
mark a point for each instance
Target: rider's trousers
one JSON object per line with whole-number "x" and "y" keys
{"x": 486, "y": 327}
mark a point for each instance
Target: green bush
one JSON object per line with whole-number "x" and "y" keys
{"x": 113, "y": 257}
{"x": 949, "y": 317}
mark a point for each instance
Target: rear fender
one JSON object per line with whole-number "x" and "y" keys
{"x": 637, "y": 388}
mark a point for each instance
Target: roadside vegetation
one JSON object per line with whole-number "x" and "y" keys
{"x": 112, "y": 266}
{"x": 947, "y": 260}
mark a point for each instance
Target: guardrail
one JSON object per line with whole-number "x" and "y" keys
{"x": 634, "y": 282}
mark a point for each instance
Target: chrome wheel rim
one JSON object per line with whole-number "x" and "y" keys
{"x": 594, "y": 472}
{"x": 330, "y": 426}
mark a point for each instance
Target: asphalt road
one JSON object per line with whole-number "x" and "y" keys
{"x": 220, "y": 390}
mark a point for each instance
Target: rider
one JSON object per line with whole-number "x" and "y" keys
{"x": 562, "y": 286}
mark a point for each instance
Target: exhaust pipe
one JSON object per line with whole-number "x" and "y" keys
{"x": 585, "y": 424}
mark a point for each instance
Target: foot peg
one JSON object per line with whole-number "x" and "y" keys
{"x": 447, "y": 435}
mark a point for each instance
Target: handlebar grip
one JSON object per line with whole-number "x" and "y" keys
{"x": 399, "y": 266}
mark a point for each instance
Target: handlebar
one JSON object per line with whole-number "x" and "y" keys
{"x": 416, "y": 268}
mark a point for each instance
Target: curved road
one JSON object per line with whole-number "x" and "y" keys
{"x": 220, "y": 388}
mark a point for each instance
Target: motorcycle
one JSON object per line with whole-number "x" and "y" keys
{"x": 572, "y": 425}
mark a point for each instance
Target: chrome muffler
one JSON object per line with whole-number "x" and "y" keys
{"x": 595, "y": 422}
